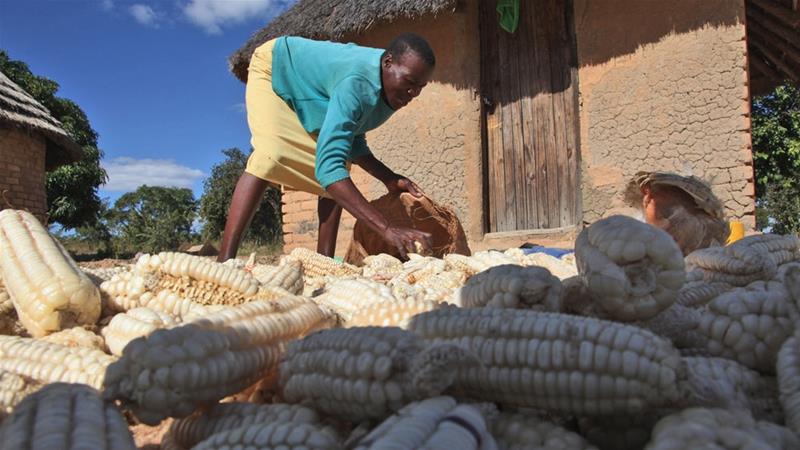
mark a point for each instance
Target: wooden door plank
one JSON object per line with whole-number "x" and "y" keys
{"x": 572, "y": 119}
{"x": 516, "y": 153}
{"x": 528, "y": 85}
{"x": 507, "y": 149}
{"x": 560, "y": 75}
{"x": 490, "y": 88}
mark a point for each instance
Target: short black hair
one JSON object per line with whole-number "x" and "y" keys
{"x": 406, "y": 42}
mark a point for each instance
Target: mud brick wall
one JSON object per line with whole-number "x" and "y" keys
{"x": 22, "y": 170}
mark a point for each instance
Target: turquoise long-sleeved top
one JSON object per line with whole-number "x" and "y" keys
{"x": 335, "y": 90}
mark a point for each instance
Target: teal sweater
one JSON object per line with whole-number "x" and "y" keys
{"x": 335, "y": 90}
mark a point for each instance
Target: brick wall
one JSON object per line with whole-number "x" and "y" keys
{"x": 22, "y": 171}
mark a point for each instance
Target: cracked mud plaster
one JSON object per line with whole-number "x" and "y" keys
{"x": 678, "y": 104}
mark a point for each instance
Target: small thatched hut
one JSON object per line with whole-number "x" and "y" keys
{"x": 533, "y": 134}
{"x": 31, "y": 142}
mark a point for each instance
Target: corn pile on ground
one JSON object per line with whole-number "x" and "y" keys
{"x": 624, "y": 344}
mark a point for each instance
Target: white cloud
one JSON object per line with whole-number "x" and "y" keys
{"x": 127, "y": 174}
{"x": 107, "y": 5}
{"x": 211, "y": 15}
{"x": 238, "y": 107}
{"x": 144, "y": 14}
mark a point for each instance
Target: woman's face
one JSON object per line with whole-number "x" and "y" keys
{"x": 403, "y": 78}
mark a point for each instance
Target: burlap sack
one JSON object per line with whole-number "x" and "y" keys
{"x": 408, "y": 211}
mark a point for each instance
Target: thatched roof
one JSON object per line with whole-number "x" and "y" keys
{"x": 19, "y": 109}
{"x": 332, "y": 19}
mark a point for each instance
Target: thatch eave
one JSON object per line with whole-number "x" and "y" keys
{"x": 332, "y": 19}
{"x": 20, "y": 110}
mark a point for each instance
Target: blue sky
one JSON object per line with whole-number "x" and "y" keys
{"x": 151, "y": 75}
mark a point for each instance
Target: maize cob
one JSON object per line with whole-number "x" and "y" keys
{"x": 510, "y": 286}
{"x": 558, "y": 267}
{"x": 779, "y": 248}
{"x": 632, "y": 269}
{"x": 196, "y": 278}
{"x": 9, "y": 322}
{"x": 188, "y": 432}
{"x": 76, "y": 337}
{"x": 381, "y": 267}
{"x": 130, "y": 291}
{"x": 679, "y": 324}
{"x": 273, "y": 436}
{"x": 48, "y": 289}
{"x": 65, "y": 416}
{"x": 789, "y": 276}
{"x": 788, "y": 369}
{"x": 392, "y": 313}
{"x": 734, "y": 265}
{"x": 288, "y": 276}
{"x": 724, "y": 383}
{"x": 749, "y": 324}
{"x": 435, "y": 423}
{"x": 316, "y": 265}
{"x": 528, "y": 432}
{"x": 436, "y": 288}
{"x": 100, "y": 275}
{"x": 49, "y": 363}
{"x": 696, "y": 294}
{"x": 719, "y": 428}
{"x": 418, "y": 269}
{"x": 171, "y": 372}
{"x": 348, "y": 296}
{"x": 13, "y": 388}
{"x": 618, "y": 432}
{"x": 478, "y": 262}
{"x": 362, "y": 373}
{"x": 132, "y": 324}
{"x": 555, "y": 361}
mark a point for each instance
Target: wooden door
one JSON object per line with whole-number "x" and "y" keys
{"x": 530, "y": 120}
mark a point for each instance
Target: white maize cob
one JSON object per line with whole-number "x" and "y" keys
{"x": 317, "y": 265}
{"x": 632, "y": 269}
{"x": 197, "y": 278}
{"x": 679, "y": 324}
{"x": 76, "y": 337}
{"x": 511, "y": 286}
{"x": 391, "y": 313}
{"x": 528, "y": 432}
{"x": 13, "y": 388}
{"x": 558, "y": 267}
{"x": 418, "y": 269}
{"x": 749, "y": 324}
{"x": 361, "y": 373}
{"x": 724, "y": 383}
{"x": 348, "y": 296}
{"x": 187, "y": 432}
{"x": 435, "y": 423}
{"x": 130, "y": 291}
{"x": 171, "y": 372}
{"x": 381, "y": 267}
{"x": 478, "y": 262}
{"x": 734, "y": 265}
{"x": 780, "y": 248}
{"x": 49, "y": 290}
{"x": 288, "y": 276}
{"x": 788, "y": 370}
{"x": 696, "y": 294}
{"x": 719, "y": 428}
{"x": 49, "y": 363}
{"x": 63, "y": 416}
{"x": 557, "y": 361}
{"x": 100, "y": 275}
{"x": 127, "y": 326}
{"x": 273, "y": 436}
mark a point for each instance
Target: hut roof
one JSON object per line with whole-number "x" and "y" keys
{"x": 332, "y": 19}
{"x": 19, "y": 109}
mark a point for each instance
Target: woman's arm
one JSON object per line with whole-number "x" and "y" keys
{"x": 350, "y": 198}
{"x": 393, "y": 181}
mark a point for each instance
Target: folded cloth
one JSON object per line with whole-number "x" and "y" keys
{"x": 555, "y": 252}
{"x": 509, "y": 14}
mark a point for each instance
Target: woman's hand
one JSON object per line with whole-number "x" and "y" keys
{"x": 404, "y": 238}
{"x": 399, "y": 184}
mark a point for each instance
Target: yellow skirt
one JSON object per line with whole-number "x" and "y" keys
{"x": 284, "y": 152}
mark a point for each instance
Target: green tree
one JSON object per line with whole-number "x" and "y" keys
{"x": 72, "y": 199}
{"x": 152, "y": 219}
{"x": 776, "y": 157}
{"x": 217, "y": 192}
